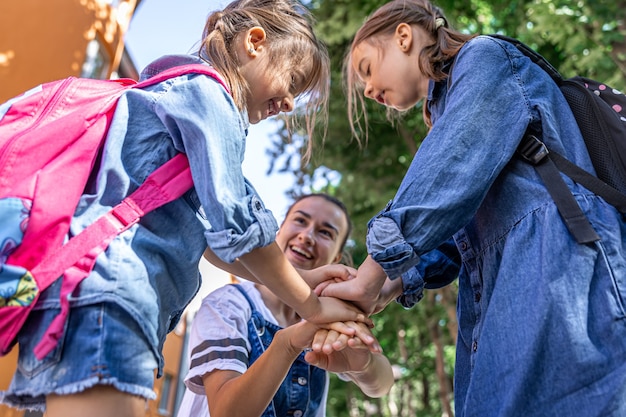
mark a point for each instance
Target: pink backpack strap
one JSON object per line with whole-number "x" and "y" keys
{"x": 78, "y": 256}
{"x": 184, "y": 70}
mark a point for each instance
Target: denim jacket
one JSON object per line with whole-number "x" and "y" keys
{"x": 151, "y": 270}
{"x": 542, "y": 322}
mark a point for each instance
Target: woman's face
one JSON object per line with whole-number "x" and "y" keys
{"x": 312, "y": 233}
{"x": 389, "y": 68}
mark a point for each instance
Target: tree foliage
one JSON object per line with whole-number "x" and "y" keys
{"x": 585, "y": 37}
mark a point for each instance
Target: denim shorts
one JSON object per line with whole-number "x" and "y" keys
{"x": 101, "y": 345}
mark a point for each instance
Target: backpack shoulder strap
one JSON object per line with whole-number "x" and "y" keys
{"x": 165, "y": 184}
{"x": 166, "y": 74}
{"x": 78, "y": 256}
{"x": 535, "y": 152}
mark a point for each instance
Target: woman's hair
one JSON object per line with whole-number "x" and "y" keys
{"x": 292, "y": 45}
{"x": 345, "y": 256}
{"x": 382, "y": 23}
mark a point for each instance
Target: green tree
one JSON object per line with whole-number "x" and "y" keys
{"x": 585, "y": 37}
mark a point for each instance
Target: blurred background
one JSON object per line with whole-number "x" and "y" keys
{"x": 43, "y": 41}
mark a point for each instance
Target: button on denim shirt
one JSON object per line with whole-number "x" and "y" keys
{"x": 151, "y": 270}
{"x": 542, "y": 322}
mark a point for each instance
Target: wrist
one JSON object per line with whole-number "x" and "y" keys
{"x": 365, "y": 368}
{"x": 310, "y": 307}
{"x": 283, "y": 341}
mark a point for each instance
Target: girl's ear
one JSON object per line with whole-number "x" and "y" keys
{"x": 404, "y": 37}
{"x": 254, "y": 40}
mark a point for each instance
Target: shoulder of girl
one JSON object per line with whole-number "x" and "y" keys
{"x": 482, "y": 47}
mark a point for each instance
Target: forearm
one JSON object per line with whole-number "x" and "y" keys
{"x": 236, "y": 268}
{"x": 371, "y": 278}
{"x": 269, "y": 266}
{"x": 390, "y": 291}
{"x": 376, "y": 379}
{"x": 249, "y": 394}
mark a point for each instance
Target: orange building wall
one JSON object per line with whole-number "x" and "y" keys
{"x": 46, "y": 40}
{"x": 7, "y": 368}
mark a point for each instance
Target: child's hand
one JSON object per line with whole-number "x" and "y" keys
{"x": 327, "y": 273}
{"x": 364, "y": 290}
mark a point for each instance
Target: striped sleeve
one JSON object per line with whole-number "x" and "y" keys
{"x": 219, "y": 336}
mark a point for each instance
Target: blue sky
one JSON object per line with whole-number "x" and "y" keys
{"x": 161, "y": 27}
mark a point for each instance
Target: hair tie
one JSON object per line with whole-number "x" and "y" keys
{"x": 439, "y": 22}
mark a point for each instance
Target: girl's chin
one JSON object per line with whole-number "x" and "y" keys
{"x": 402, "y": 107}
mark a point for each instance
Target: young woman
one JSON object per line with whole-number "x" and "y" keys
{"x": 542, "y": 322}
{"x": 246, "y": 343}
{"x": 106, "y": 360}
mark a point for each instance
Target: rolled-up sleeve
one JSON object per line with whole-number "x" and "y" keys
{"x": 228, "y": 244}
{"x": 202, "y": 119}
{"x": 437, "y": 268}
{"x": 412, "y": 288}
{"x": 387, "y": 246}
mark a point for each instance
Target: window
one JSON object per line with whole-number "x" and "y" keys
{"x": 97, "y": 61}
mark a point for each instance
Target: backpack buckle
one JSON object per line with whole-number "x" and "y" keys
{"x": 532, "y": 149}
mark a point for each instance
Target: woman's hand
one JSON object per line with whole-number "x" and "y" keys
{"x": 336, "y": 352}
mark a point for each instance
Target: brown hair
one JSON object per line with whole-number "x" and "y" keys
{"x": 383, "y": 22}
{"x": 292, "y": 44}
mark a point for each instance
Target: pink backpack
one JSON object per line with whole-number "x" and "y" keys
{"x": 50, "y": 138}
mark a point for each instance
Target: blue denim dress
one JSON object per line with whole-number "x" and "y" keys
{"x": 302, "y": 390}
{"x": 542, "y": 319}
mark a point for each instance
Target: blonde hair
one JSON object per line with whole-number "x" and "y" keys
{"x": 292, "y": 45}
{"x": 382, "y": 23}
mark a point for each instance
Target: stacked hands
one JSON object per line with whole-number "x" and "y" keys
{"x": 342, "y": 320}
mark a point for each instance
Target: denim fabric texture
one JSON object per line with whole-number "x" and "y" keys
{"x": 151, "y": 270}
{"x": 542, "y": 322}
{"x": 89, "y": 353}
{"x": 302, "y": 390}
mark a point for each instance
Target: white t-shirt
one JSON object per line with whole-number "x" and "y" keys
{"x": 223, "y": 319}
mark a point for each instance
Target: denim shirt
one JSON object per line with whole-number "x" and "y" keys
{"x": 532, "y": 302}
{"x": 151, "y": 270}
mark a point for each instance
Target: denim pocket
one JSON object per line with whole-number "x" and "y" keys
{"x": 30, "y": 335}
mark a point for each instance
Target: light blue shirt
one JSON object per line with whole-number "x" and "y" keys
{"x": 542, "y": 319}
{"x": 151, "y": 270}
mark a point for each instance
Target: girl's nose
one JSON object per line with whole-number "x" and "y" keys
{"x": 286, "y": 105}
{"x": 369, "y": 91}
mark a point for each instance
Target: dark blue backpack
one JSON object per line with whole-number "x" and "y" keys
{"x": 600, "y": 112}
